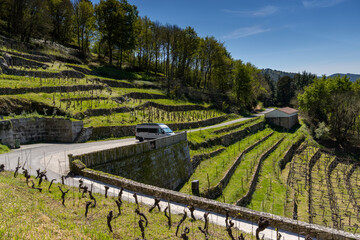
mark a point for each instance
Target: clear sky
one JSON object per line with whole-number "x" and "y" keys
{"x": 319, "y": 36}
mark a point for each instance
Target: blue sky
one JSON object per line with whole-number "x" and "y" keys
{"x": 319, "y": 36}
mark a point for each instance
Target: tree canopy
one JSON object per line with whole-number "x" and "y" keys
{"x": 333, "y": 102}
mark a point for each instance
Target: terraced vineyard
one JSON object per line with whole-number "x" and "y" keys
{"x": 57, "y": 86}
{"x": 262, "y": 170}
{"x": 325, "y": 189}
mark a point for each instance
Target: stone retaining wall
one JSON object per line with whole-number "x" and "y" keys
{"x": 140, "y": 95}
{"x": 37, "y": 58}
{"x": 172, "y": 108}
{"x": 43, "y": 74}
{"x": 196, "y": 160}
{"x": 290, "y": 153}
{"x": 246, "y": 199}
{"x": 163, "y": 162}
{"x": 283, "y": 223}
{"x": 129, "y": 130}
{"x": 30, "y": 130}
{"x": 113, "y": 83}
{"x": 216, "y": 191}
{"x": 230, "y": 138}
{"x": 228, "y": 129}
{"x": 49, "y": 89}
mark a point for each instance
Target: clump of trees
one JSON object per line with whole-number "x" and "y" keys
{"x": 332, "y": 106}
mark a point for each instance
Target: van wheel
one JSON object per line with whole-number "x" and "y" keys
{"x": 141, "y": 139}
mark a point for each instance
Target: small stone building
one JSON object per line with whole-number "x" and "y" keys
{"x": 284, "y": 117}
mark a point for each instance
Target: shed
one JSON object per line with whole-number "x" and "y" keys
{"x": 284, "y": 117}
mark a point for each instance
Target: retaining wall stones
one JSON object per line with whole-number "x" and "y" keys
{"x": 230, "y": 138}
{"x": 196, "y": 160}
{"x": 29, "y": 130}
{"x": 6, "y": 134}
{"x": 246, "y": 199}
{"x": 43, "y": 74}
{"x": 49, "y": 89}
{"x": 287, "y": 224}
{"x": 140, "y": 95}
{"x": 172, "y": 108}
{"x": 216, "y": 191}
{"x": 290, "y": 153}
{"x": 113, "y": 83}
{"x": 164, "y": 162}
{"x": 37, "y": 58}
{"x": 228, "y": 129}
{"x": 129, "y": 130}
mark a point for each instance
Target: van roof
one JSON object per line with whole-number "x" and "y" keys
{"x": 150, "y": 124}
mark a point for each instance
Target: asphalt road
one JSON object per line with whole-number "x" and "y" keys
{"x": 53, "y": 158}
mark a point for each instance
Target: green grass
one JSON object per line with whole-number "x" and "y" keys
{"x": 270, "y": 192}
{"x": 4, "y": 149}
{"x": 217, "y": 166}
{"x": 28, "y": 214}
{"x": 240, "y": 181}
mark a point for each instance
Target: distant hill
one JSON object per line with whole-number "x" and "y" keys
{"x": 275, "y": 75}
{"x": 353, "y": 77}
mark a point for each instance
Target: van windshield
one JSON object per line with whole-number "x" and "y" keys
{"x": 167, "y": 130}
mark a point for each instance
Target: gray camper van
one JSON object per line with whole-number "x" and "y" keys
{"x": 151, "y": 131}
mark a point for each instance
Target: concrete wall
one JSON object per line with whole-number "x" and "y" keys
{"x": 29, "y": 130}
{"x": 320, "y": 232}
{"x": 164, "y": 162}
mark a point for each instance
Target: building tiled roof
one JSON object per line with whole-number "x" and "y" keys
{"x": 288, "y": 110}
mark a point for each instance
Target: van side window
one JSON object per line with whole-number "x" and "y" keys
{"x": 142, "y": 130}
{"x": 153, "y": 130}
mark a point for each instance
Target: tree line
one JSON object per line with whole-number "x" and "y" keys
{"x": 114, "y": 31}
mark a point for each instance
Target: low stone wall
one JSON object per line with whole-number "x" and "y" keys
{"x": 43, "y": 74}
{"x": 197, "y": 159}
{"x": 216, "y": 191}
{"x": 30, "y": 130}
{"x": 49, "y": 89}
{"x": 37, "y": 58}
{"x": 230, "y": 138}
{"x": 198, "y": 124}
{"x": 129, "y": 130}
{"x": 246, "y": 199}
{"x": 163, "y": 162}
{"x": 312, "y": 163}
{"x": 290, "y": 153}
{"x": 287, "y": 224}
{"x": 22, "y": 62}
{"x": 172, "y": 108}
{"x": 113, "y": 83}
{"x": 228, "y": 129}
{"x": 140, "y": 95}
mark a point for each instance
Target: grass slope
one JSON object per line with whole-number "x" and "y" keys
{"x": 28, "y": 214}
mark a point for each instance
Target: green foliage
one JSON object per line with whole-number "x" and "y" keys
{"x": 4, "y": 149}
{"x": 333, "y": 101}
